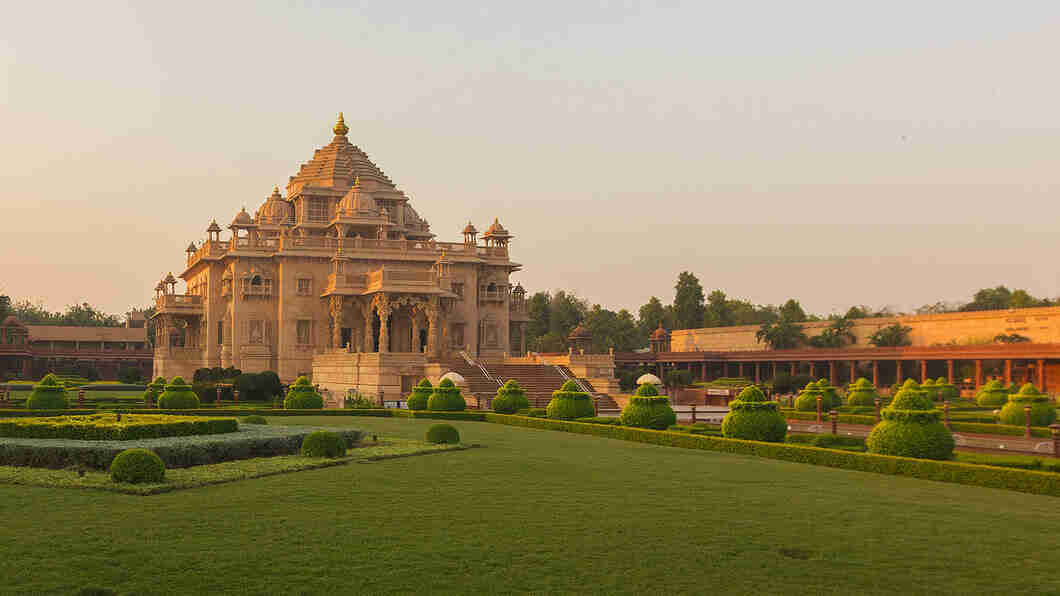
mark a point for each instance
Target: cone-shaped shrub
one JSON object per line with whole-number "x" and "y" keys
{"x": 1043, "y": 412}
{"x": 753, "y": 418}
{"x": 154, "y": 390}
{"x": 992, "y": 394}
{"x": 807, "y": 400}
{"x": 829, "y": 395}
{"x": 421, "y": 393}
{"x": 648, "y": 409}
{"x": 302, "y": 396}
{"x": 446, "y": 398}
{"x": 178, "y": 396}
{"x": 510, "y": 398}
{"x": 862, "y": 393}
{"x": 569, "y": 403}
{"x": 946, "y": 390}
{"x": 48, "y": 395}
{"x": 911, "y": 427}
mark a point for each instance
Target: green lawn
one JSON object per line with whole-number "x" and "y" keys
{"x": 537, "y": 511}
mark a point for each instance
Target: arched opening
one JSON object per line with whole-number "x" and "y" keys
{"x": 256, "y": 280}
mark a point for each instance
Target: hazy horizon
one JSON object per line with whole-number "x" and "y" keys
{"x": 887, "y": 155}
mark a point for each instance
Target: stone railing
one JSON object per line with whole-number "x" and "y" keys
{"x": 186, "y": 303}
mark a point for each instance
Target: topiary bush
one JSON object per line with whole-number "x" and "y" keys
{"x": 946, "y": 390}
{"x": 753, "y": 418}
{"x": 442, "y": 433}
{"x": 323, "y": 443}
{"x": 254, "y": 419}
{"x": 807, "y": 399}
{"x": 570, "y": 403}
{"x": 930, "y": 390}
{"x": 446, "y": 397}
{"x": 829, "y": 395}
{"x": 911, "y": 427}
{"x": 417, "y": 400}
{"x": 510, "y": 398}
{"x": 862, "y": 393}
{"x": 648, "y": 409}
{"x": 49, "y": 394}
{"x": 154, "y": 389}
{"x": 302, "y": 396}
{"x": 1043, "y": 412}
{"x": 992, "y": 394}
{"x": 137, "y": 466}
{"x": 178, "y": 396}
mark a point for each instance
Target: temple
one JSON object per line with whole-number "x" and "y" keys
{"x": 340, "y": 278}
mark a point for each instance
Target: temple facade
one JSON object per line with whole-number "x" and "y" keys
{"x": 339, "y": 277}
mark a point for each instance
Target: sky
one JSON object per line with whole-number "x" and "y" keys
{"x": 887, "y": 154}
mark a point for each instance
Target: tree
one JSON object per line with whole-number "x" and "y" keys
{"x": 792, "y": 311}
{"x": 5, "y": 307}
{"x": 1012, "y": 338}
{"x": 652, "y": 315}
{"x": 891, "y": 336}
{"x": 538, "y": 312}
{"x": 835, "y": 335}
{"x": 782, "y": 334}
{"x": 990, "y": 299}
{"x": 612, "y": 330}
{"x": 688, "y": 302}
{"x": 719, "y": 310}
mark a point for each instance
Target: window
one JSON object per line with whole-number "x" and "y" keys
{"x": 305, "y": 286}
{"x": 318, "y": 210}
{"x": 303, "y": 329}
{"x": 256, "y": 333}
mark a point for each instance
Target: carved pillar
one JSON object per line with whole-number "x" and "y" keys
{"x": 415, "y": 331}
{"x": 978, "y": 374}
{"x": 335, "y": 308}
{"x": 522, "y": 339}
{"x": 876, "y": 373}
{"x": 949, "y": 371}
{"x": 432, "y": 331}
{"x": 382, "y": 306}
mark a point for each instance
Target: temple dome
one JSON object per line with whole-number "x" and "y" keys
{"x": 659, "y": 333}
{"x": 470, "y": 228}
{"x": 337, "y": 165}
{"x": 275, "y": 210}
{"x": 357, "y": 202}
{"x": 496, "y": 229}
{"x": 242, "y": 218}
{"x": 213, "y": 227}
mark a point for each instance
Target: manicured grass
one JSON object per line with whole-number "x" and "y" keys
{"x": 537, "y": 511}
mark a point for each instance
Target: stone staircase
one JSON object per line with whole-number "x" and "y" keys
{"x": 538, "y": 380}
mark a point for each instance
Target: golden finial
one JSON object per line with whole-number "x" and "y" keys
{"x": 340, "y": 127}
{"x": 276, "y": 189}
{"x": 357, "y": 181}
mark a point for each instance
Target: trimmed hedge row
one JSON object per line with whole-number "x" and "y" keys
{"x": 956, "y": 426}
{"x": 1027, "y": 481}
{"x": 106, "y": 427}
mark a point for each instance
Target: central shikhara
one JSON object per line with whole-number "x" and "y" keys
{"x": 342, "y": 279}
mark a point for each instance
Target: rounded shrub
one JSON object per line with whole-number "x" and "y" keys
{"x": 911, "y": 427}
{"x": 753, "y": 418}
{"x": 446, "y": 397}
{"x": 931, "y": 391}
{"x": 302, "y": 396}
{"x": 648, "y": 409}
{"x": 946, "y": 390}
{"x": 992, "y": 394}
{"x": 569, "y": 403}
{"x": 323, "y": 443}
{"x": 862, "y": 393}
{"x": 136, "y": 466}
{"x": 155, "y": 389}
{"x": 417, "y": 400}
{"x": 49, "y": 394}
{"x": 1043, "y": 412}
{"x": 829, "y": 395}
{"x": 254, "y": 419}
{"x": 510, "y": 398}
{"x": 807, "y": 399}
{"x": 178, "y": 396}
{"x": 442, "y": 433}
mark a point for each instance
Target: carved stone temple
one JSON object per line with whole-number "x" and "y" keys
{"x": 338, "y": 277}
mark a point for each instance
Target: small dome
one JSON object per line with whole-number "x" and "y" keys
{"x": 213, "y": 227}
{"x": 160, "y": 286}
{"x": 275, "y": 210}
{"x": 496, "y": 229}
{"x": 470, "y": 228}
{"x": 649, "y": 379}
{"x": 579, "y": 332}
{"x": 170, "y": 279}
{"x": 659, "y": 333}
{"x": 242, "y": 218}
{"x": 455, "y": 377}
{"x": 191, "y": 248}
{"x": 358, "y": 203}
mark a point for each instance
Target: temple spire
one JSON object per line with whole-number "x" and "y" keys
{"x": 340, "y": 128}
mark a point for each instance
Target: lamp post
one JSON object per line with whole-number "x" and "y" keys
{"x": 834, "y": 414}
{"x": 818, "y": 409}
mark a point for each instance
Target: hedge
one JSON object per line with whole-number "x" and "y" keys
{"x": 1028, "y": 481}
{"x": 106, "y": 427}
{"x": 955, "y": 426}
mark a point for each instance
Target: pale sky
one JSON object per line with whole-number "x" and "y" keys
{"x": 842, "y": 153}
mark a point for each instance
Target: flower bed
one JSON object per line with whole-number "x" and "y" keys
{"x": 249, "y": 441}
{"x": 108, "y": 427}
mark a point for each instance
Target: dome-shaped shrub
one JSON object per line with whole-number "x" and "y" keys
{"x": 154, "y": 390}
{"x": 911, "y": 427}
{"x": 829, "y": 395}
{"x": 753, "y": 418}
{"x": 648, "y": 409}
{"x": 446, "y": 397}
{"x": 417, "y": 400}
{"x": 48, "y": 395}
{"x": 323, "y": 443}
{"x": 992, "y": 394}
{"x": 569, "y": 403}
{"x": 807, "y": 399}
{"x": 178, "y": 396}
{"x": 510, "y": 398}
{"x": 946, "y": 390}
{"x": 302, "y": 396}
{"x": 442, "y": 433}
{"x": 136, "y": 466}
{"x": 1043, "y": 412}
{"x": 930, "y": 390}
{"x": 862, "y": 393}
